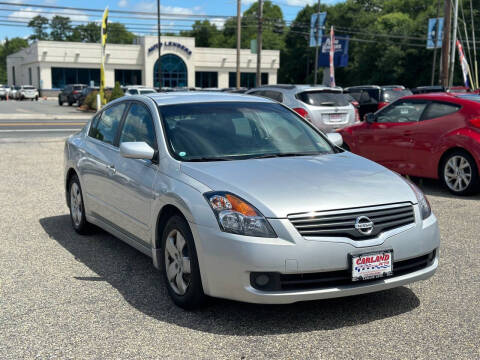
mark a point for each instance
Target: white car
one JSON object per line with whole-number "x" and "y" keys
{"x": 4, "y": 92}
{"x": 27, "y": 92}
{"x": 139, "y": 90}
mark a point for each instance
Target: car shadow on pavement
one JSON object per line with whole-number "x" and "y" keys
{"x": 142, "y": 286}
{"x": 433, "y": 187}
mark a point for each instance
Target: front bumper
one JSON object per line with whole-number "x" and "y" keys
{"x": 227, "y": 260}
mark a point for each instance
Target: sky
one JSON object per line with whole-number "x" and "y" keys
{"x": 204, "y": 7}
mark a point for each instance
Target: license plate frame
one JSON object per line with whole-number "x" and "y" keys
{"x": 366, "y": 271}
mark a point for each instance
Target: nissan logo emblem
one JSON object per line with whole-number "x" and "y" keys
{"x": 364, "y": 225}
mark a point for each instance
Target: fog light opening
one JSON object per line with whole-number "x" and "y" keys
{"x": 262, "y": 280}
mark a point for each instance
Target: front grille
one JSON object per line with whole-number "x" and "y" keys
{"x": 341, "y": 223}
{"x": 309, "y": 281}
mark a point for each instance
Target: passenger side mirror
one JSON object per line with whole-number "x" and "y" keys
{"x": 370, "y": 118}
{"x": 335, "y": 138}
{"x": 136, "y": 150}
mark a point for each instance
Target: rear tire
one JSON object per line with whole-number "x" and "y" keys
{"x": 459, "y": 173}
{"x": 180, "y": 265}
{"x": 77, "y": 209}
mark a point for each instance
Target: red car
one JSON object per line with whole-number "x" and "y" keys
{"x": 429, "y": 135}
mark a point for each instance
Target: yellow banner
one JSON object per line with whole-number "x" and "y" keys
{"x": 104, "y": 33}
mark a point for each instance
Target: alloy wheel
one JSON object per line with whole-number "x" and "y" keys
{"x": 458, "y": 173}
{"x": 177, "y": 262}
{"x": 76, "y": 204}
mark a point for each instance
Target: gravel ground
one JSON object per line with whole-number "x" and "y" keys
{"x": 68, "y": 296}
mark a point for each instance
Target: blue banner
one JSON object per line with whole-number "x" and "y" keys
{"x": 317, "y": 22}
{"x": 432, "y": 28}
{"x": 340, "y": 58}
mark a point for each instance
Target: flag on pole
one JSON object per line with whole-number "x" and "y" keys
{"x": 464, "y": 64}
{"x": 103, "y": 39}
{"x": 332, "y": 54}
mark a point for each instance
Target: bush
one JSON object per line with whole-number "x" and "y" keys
{"x": 91, "y": 101}
{"x": 116, "y": 93}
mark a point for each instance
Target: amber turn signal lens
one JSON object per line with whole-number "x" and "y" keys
{"x": 241, "y": 206}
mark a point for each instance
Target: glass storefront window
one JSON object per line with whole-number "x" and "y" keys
{"x": 174, "y": 72}
{"x": 128, "y": 77}
{"x": 247, "y": 80}
{"x": 206, "y": 79}
{"x": 64, "y": 76}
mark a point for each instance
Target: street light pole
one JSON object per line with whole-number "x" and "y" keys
{"x": 316, "y": 47}
{"x": 259, "y": 43}
{"x": 159, "y": 67}
{"x": 239, "y": 39}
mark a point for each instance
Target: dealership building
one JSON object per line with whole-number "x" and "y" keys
{"x": 53, "y": 64}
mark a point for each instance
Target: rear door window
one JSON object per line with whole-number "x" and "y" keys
{"x": 105, "y": 126}
{"x": 323, "y": 98}
{"x": 274, "y": 95}
{"x": 436, "y": 110}
{"x": 394, "y": 94}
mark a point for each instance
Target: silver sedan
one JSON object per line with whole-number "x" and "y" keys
{"x": 239, "y": 197}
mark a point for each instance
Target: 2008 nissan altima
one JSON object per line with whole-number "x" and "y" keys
{"x": 238, "y": 197}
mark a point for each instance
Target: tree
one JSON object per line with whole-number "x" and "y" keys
{"x": 61, "y": 29}
{"x": 205, "y": 33}
{"x": 10, "y": 46}
{"x": 89, "y": 33}
{"x": 39, "y": 25}
{"x": 118, "y": 34}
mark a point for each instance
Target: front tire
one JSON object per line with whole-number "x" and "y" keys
{"x": 180, "y": 265}
{"x": 459, "y": 173}
{"x": 77, "y": 209}
{"x": 60, "y": 102}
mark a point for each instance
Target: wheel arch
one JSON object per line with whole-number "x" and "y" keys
{"x": 70, "y": 173}
{"x": 446, "y": 153}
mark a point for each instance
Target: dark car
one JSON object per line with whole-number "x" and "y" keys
{"x": 428, "y": 89}
{"x": 373, "y": 97}
{"x": 84, "y": 93}
{"x": 70, "y": 94}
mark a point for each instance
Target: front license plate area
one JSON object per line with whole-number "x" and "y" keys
{"x": 373, "y": 265}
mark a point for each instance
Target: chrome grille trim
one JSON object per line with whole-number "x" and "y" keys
{"x": 341, "y": 223}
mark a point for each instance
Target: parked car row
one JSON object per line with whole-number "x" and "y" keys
{"x": 24, "y": 92}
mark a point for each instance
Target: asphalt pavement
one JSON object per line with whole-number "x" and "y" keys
{"x": 63, "y": 295}
{"x": 43, "y": 118}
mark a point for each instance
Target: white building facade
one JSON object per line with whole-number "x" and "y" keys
{"x": 52, "y": 64}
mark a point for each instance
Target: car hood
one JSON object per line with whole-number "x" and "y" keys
{"x": 282, "y": 186}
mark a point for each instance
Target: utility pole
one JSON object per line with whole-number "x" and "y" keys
{"x": 259, "y": 43}
{"x": 159, "y": 68}
{"x": 446, "y": 42}
{"x": 435, "y": 43}
{"x": 316, "y": 47}
{"x": 239, "y": 39}
{"x": 454, "y": 42}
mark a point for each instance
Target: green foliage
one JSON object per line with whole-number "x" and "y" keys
{"x": 9, "y": 46}
{"x": 61, "y": 29}
{"x": 39, "y": 24}
{"x": 91, "y": 101}
{"x": 89, "y": 33}
{"x": 117, "y": 92}
{"x": 118, "y": 34}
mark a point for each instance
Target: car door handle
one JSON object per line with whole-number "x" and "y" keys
{"x": 111, "y": 168}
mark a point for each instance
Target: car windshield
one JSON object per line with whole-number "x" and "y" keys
{"x": 238, "y": 130}
{"x": 394, "y": 94}
{"x": 28, "y": 87}
{"x": 323, "y": 98}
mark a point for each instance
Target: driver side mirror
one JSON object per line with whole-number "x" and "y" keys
{"x": 370, "y": 118}
{"x": 136, "y": 150}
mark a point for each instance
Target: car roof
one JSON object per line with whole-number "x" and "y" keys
{"x": 172, "y": 98}
{"x": 442, "y": 96}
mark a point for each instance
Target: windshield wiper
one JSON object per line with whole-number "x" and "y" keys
{"x": 201, "y": 159}
{"x": 265, "y": 156}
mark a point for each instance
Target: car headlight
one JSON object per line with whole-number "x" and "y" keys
{"x": 425, "y": 209}
{"x": 236, "y": 216}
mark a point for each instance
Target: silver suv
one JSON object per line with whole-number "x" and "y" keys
{"x": 327, "y": 108}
